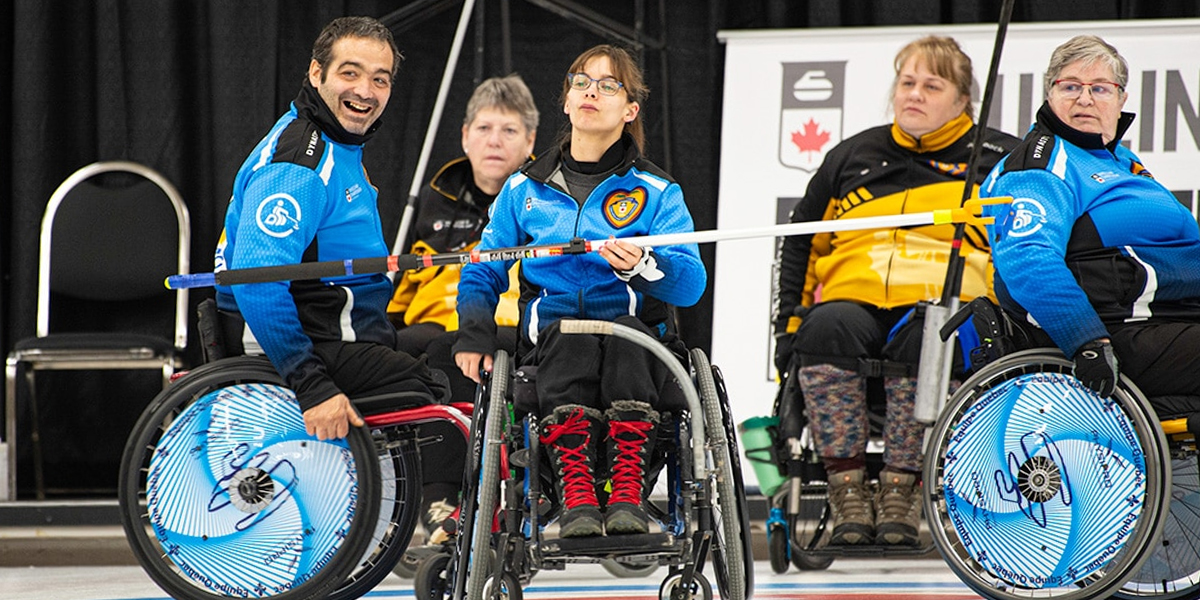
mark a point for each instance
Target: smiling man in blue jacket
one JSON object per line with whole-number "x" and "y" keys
{"x": 303, "y": 195}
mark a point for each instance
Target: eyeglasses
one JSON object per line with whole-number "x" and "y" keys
{"x": 1100, "y": 90}
{"x": 607, "y": 86}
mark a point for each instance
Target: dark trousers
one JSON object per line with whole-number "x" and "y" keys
{"x": 840, "y": 332}
{"x": 363, "y": 369}
{"x": 1162, "y": 358}
{"x": 594, "y": 370}
{"x": 436, "y": 344}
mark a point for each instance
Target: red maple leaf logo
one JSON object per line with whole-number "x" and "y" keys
{"x": 810, "y": 140}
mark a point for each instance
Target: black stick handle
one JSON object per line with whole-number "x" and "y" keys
{"x": 954, "y": 267}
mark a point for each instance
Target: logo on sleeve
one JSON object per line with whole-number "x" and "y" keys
{"x": 278, "y": 215}
{"x": 1026, "y": 217}
{"x": 622, "y": 208}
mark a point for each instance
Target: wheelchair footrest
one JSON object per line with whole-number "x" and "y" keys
{"x": 614, "y": 545}
{"x": 870, "y": 551}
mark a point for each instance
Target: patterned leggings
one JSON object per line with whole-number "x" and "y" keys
{"x": 835, "y": 400}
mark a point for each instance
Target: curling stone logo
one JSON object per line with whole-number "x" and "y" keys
{"x": 278, "y": 215}
{"x": 1027, "y": 217}
{"x": 810, "y": 121}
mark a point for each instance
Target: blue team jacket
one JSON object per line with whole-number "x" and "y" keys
{"x": 302, "y": 196}
{"x": 1090, "y": 237}
{"x": 533, "y": 209}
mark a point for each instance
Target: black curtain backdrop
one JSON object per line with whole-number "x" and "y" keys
{"x": 188, "y": 87}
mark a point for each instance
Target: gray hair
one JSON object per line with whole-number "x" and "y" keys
{"x": 508, "y": 94}
{"x": 1088, "y": 49}
{"x": 359, "y": 27}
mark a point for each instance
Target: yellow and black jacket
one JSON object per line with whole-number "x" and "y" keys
{"x": 885, "y": 171}
{"x": 449, "y": 217}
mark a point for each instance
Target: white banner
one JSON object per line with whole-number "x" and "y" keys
{"x": 791, "y": 95}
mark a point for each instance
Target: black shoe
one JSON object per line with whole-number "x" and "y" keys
{"x": 630, "y": 428}
{"x": 623, "y": 518}
{"x": 567, "y": 436}
{"x": 581, "y": 521}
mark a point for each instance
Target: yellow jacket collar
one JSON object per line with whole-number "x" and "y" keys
{"x": 935, "y": 140}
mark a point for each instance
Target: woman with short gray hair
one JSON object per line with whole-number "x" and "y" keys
{"x": 1093, "y": 250}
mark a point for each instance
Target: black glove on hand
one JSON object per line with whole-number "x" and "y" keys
{"x": 783, "y": 352}
{"x": 1096, "y": 367}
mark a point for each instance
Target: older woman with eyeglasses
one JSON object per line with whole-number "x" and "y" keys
{"x": 595, "y": 393}
{"x": 1094, "y": 254}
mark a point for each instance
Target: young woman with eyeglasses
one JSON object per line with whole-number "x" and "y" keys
{"x": 598, "y": 396}
{"x": 1093, "y": 249}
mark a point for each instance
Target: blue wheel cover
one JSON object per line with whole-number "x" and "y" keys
{"x": 242, "y": 499}
{"x": 1043, "y": 480}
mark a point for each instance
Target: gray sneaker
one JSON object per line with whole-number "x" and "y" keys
{"x": 850, "y": 506}
{"x": 899, "y": 506}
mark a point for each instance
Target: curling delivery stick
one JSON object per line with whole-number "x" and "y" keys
{"x": 937, "y": 355}
{"x": 969, "y": 213}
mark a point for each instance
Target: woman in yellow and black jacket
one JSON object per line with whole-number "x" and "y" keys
{"x": 497, "y": 137}
{"x": 449, "y": 217}
{"x": 498, "y": 134}
{"x": 842, "y": 297}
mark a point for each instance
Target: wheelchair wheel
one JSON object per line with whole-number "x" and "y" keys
{"x": 510, "y": 588}
{"x": 777, "y": 548}
{"x": 733, "y": 563}
{"x": 807, "y": 531}
{"x": 1039, "y": 488}
{"x": 400, "y": 495}
{"x": 810, "y": 529}
{"x": 489, "y": 481}
{"x": 623, "y": 570}
{"x": 697, "y": 589}
{"x": 1172, "y": 571}
{"x": 431, "y": 581}
{"x": 223, "y": 493}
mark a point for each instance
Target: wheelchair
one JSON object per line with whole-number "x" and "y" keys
{"x": 223, "y": 493}
{"x": 799, "y": 523}
{"x": 1036, "y": 487}
{"x": 1033, "y": 486}
{"x": 508, "y": 501}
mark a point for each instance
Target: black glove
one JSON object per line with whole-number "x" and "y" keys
{"x": 1096, "y": 367}
{"x": 783, "y": 352}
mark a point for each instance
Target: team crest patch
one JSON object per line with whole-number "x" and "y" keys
{"x": 622, "y": 208}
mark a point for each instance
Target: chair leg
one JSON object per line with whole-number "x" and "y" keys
{"x": 11, "y": 366}
{"x": 35, "y": 436}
